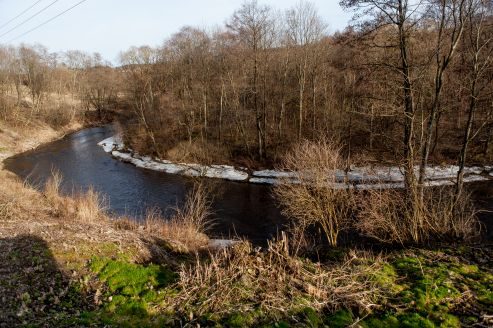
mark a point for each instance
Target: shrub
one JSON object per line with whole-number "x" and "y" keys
{"x": 57, "y": 116}
{"x": 314, "y": 197}
{"x": 390, "y": 217}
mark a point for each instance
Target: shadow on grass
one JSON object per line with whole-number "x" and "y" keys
{"x": 34, "y": 290}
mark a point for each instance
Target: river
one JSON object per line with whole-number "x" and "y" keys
{"x": 239, "y": 209}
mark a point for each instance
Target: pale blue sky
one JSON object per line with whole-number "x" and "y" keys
{"x": 109, "y": 26}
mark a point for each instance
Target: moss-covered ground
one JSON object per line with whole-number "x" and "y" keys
{"x": 423, "y": 288}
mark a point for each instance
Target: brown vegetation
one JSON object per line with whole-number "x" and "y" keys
{"x": 407, "y": 83}
{"x": 83, "y": 207}
{"x": 315, "y": 199}
{"x": 240, "y": 279}
{"x": 186, "y": 229}
{"x": 388, "y": 216}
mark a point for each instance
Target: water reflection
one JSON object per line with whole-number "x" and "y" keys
{"x": 240, "y": 209}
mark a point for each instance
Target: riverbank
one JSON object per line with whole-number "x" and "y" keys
{"x": 48, "y": 241}
{"x": 65, "y": 263}
{"x": 15, "y": 139}
{"x": 362, "y": 178}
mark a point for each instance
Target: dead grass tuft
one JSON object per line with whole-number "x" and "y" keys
{"x": 196, "y": 212}
{"x": 242, "y": 279}
{"x": 52, "y": 187}
{"x": 388, "y": 216}
{"x": 85, "y": 207}
{"x": 90, "y": 206}
{"x": 6, "y": 209}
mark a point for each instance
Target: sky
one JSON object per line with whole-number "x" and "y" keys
{"x": 110, "y": 26}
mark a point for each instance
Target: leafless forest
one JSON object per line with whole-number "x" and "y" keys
{"x": 408, "y": 83}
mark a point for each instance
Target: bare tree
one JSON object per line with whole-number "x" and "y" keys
{"x": 479, "y": 53}
{"x": 399, "y": 14}
{"x": 305, "y": 29}
{"x": 253, "y": 25}
{"x": 450, "y": 16}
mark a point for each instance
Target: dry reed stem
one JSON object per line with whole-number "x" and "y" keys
{"x": 242, "y": 279}
{"x": 85, "y": 207}
{"x": 388, "y": 216}
{"x": 185, "y": 230}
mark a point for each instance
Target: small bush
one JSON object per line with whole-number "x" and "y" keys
{"x": 57, "y": 116}
{"x": 314, "y": 197}
{"x": 390, "y": 217}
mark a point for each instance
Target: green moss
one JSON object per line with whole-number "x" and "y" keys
{"x": 388, "y": 321}
{"x": 415, "y": 320}
{"x": 132, "y": 290}
{"x": 311, "y": 317}
{"x": 387, "y": 278}
{"x": 131, "y": 279}
{"x": 431, "y": 285}
{"x": 340, "y": 319}
{"x": 240, "y": 320}
{"x": 450, "y": 321}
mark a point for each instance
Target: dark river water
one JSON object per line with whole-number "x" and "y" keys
{"x": 240, "y": 209}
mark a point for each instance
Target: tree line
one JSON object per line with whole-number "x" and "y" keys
{"x": 407, "y": 82}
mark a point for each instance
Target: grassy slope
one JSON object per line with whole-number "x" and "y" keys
{"x": 55, "y": 270}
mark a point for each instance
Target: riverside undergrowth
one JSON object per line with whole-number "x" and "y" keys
{"x": 404, "y": 288}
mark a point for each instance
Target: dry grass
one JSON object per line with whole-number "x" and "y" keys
{"x": 84, "y": 207}
{"x": 52, "y": 187}
{"x": 6, "y": 209}
{"x": 390, "y": 217}
{"x": 242, "y": 279}
{"x": 314, "y": 201}
{"x": 90, "y": 206}
{"x": 198, "y": 152}
{"x": 196, "y": 211}
{"x": 55, "y": 110}
{"x": 185, "y": 231}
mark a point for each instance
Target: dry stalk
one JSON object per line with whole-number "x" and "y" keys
{"x": 313, "y": 200}
{"x": 242, "y": 279}
{"x": 388, "y": 216}
{"x": 85, "y": 207}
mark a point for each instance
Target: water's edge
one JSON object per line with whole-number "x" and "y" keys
{"x": 362, "y": 178}
{"x": 239, "y": 210}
